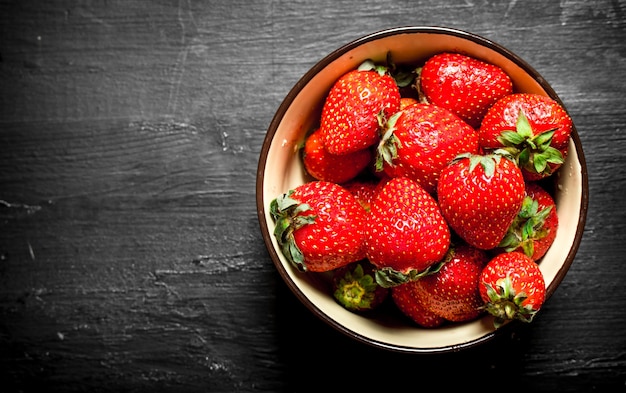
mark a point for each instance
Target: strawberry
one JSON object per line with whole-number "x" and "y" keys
{"x": 405, "y": 232}
{"x": 364, "y": 189}
{"x": 532, "y": 127}
{"x": 319, "y": 226}
{"x": 334, "y": 168}
{"x": 356, "y": 106}
{"x": 452, "y": 292}
{"x": 406, "y": 101}
{"x": 512, "y": 287}
{"x": 463, "y": 84}
{"x": 409, "y": 303}
{"x": 480, "y": 195}
{"x": 534, "y": 229}
{"x": 420, "y": 140}
{"x": 355, "y": 287}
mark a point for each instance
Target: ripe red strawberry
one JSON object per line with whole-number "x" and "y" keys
{"x": 464, "y": 85}
{"x": 410, "y": 304}
{"x": 479, "y": 196}
{"x": 405, "y": 231}
{"x": 406, "y": 101}
{"x": 334, "y": 168}
{"x": 420, "y": 140}
{"x": 512, "y": 287}
{"x": 319, "y": 226}
{"x": 534, "y": 229}
{"x": 532, "y": 127}
{"x": 364, "y": 189}
{"x": 452, "y": 292}
{"x": 355, "y": 107}
{"x": 355, "y": 287}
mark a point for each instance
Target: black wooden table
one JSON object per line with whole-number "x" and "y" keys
{"x": 130, "y": 252}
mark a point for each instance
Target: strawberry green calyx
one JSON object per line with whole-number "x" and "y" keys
{"x": 387, "y": 150}
{"x": 388, "y": 277}
{"x": 505, "y": 304}
{"x": 532, "y": 152}
{"x": 403, "y": 77}
{"x": 526, "y": 228}
{"x": 286, "y": 213}
{"x": 369, "y": 65}
{"x": 355, "y": 288}
{"x": 488, "y": 161}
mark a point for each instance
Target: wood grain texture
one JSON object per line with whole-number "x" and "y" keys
{"x": 130, "y": 252}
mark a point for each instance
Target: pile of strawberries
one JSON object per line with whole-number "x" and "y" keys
{"x": 429, "y": 185}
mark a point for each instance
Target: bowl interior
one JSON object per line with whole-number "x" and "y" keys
{"x": 280, "y": 169}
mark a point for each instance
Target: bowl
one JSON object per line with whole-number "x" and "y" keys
{"x": 280, "y": 169}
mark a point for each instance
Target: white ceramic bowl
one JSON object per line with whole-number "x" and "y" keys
{"x": 280, "y": 169}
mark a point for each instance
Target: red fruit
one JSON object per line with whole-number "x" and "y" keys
{"x": 464, "y": 85}
{"x": 512, "y": 287}
{"x": 334, "y": 168}
{"x": 407, "y": 300}
{"x": 538, "y": 139}
{"x": 406, "y": 101}
{"x": 420, "y": 140}
{"x": 364, "y": 190}
{"x": 452, "y": 292}
{"x": 355, "y": 287}
{"x": 405, "y": 231}
{"x": 354, "y": 109}
{"x": 534, "y": 229}
{"x": 480, "y": 195}
{"x": 319, "y": 226}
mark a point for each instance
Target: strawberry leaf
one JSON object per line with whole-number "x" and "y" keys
{"x": 294, "y": 255}
{"x": 527, "y": 227}
{"x": 510, "y": 138}
{"x": 356, "y": 289}
{"x": 510, "y": 241}
{"x": 539, "y": 163}
{"x": 388, "y": 277}
{"x": 505, "y": 304}
{"x": 523, "y": 126}
{"x": 532, "y": 152}
{"x": 523, "y": 158}
{"x": 370, "y": 65}
{"x": 389, "y": 144}
{"x": 488, "y": 163}
{"x": 367, "y": 65}
{"x": 281, "y": 203}
{"x": 528, "y": 247}
{"x": 543, "y": 140}
{"x": 287, "y": 216}
{"x": 554, "y": 156}
{"x": 403, "y": 78}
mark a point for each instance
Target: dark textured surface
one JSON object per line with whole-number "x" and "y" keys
{"x": 130, "y": 252}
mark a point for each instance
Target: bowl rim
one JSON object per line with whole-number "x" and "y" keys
{"x": 324, "y": 62}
